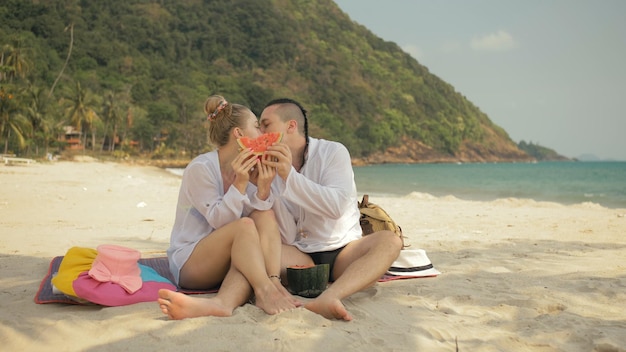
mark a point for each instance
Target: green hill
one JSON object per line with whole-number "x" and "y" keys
{"x": 139, "y": 70}
{"x": 541, "y": 153}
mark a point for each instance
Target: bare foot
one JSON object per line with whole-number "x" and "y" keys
{"x": 178, "y": 306}
{"x": 287, "y": 294}
{"x": 329, "y": 308}
{"x": 273, "y": 301}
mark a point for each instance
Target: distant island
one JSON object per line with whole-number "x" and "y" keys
{"x": 592, "y": 157}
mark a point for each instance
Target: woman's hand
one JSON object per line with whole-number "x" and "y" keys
{"x": 265, "y": 174}
{"x": 242, "y": 165}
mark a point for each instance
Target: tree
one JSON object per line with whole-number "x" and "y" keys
{"x": 11, "y": 120}
{"x": 39, "y": 114}
{"x": 81, "y": 113}
{"x": 112, "y": 115}
{"x": 67, "y": 59}
{"x": 14, "y": 61}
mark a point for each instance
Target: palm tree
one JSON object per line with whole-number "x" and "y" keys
{"x": 13, "y": 64}
{"x": 40, "y": 117}
{"x": 67, "y": 59}
{"x": 11, "y": 120}
{"x": 4, "y": 69}
{"x": 14, "y": 61}
{"x": 111, "y": 115}
{"x": 81, "y": 114}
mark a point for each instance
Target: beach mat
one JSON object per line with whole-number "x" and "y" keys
{"x": 45, "y": 293}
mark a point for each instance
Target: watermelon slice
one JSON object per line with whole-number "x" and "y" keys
{"x": 259, "y": 145}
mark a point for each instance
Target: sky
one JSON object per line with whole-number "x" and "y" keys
{"x": 551, "y": 72}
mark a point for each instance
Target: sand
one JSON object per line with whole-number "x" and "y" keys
{"x": 517, "y": 275}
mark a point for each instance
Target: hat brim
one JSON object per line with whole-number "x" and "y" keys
{"x": 415, "y": 273}
{"x": 413, "y": 263}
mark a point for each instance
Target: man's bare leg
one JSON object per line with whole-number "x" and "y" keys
{"x": 359, "y": 265}
{"x": 329, "y": 306}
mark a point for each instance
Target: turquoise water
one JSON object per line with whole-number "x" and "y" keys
{"x": 603, "y": 183}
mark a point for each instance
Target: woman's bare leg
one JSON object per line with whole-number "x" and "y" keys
{"x": 248, "y": 258}
{"x": 234, "y": 292}
{"x": 271, "y": 246}
{"x": 234, "y": 247}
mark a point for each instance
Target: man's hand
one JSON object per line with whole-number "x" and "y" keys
{"x": 278, "y": 156}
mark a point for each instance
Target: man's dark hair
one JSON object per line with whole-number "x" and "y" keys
{"x": 287, "y": 101}
{"x": 281, "y": 101}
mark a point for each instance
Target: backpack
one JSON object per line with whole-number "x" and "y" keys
{"x": 374, "y": 218}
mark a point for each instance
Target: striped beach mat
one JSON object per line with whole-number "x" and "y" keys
{"x": 46, "y": 294}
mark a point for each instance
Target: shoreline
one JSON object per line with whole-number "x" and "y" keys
{"x": 473, "y": 194}
{"x": 516, "y": 274}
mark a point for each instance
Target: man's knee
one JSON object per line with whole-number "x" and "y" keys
{"x": 389, "y": 240}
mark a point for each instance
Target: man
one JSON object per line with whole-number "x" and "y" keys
{"x": 316, "y": 208}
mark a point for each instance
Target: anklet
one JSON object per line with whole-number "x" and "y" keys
{"x": 276, "y": 276}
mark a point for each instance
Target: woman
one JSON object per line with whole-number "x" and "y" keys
{"x": 225, "y": 231}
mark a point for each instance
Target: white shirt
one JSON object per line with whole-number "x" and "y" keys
{"x": 317, "y": 208}
{"x": 203, "y": 207}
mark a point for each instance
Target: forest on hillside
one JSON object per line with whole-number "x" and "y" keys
{"x": 130, "y": 77}
{"x": 540, "y": 152}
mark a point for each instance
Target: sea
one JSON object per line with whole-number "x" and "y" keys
{"x": 564, "y": 182}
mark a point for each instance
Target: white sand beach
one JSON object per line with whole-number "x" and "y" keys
{"x": 517, "y": 275}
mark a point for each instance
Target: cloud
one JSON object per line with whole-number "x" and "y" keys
{"x": 498, "y": 41}
{"x": 414, "y": 51}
